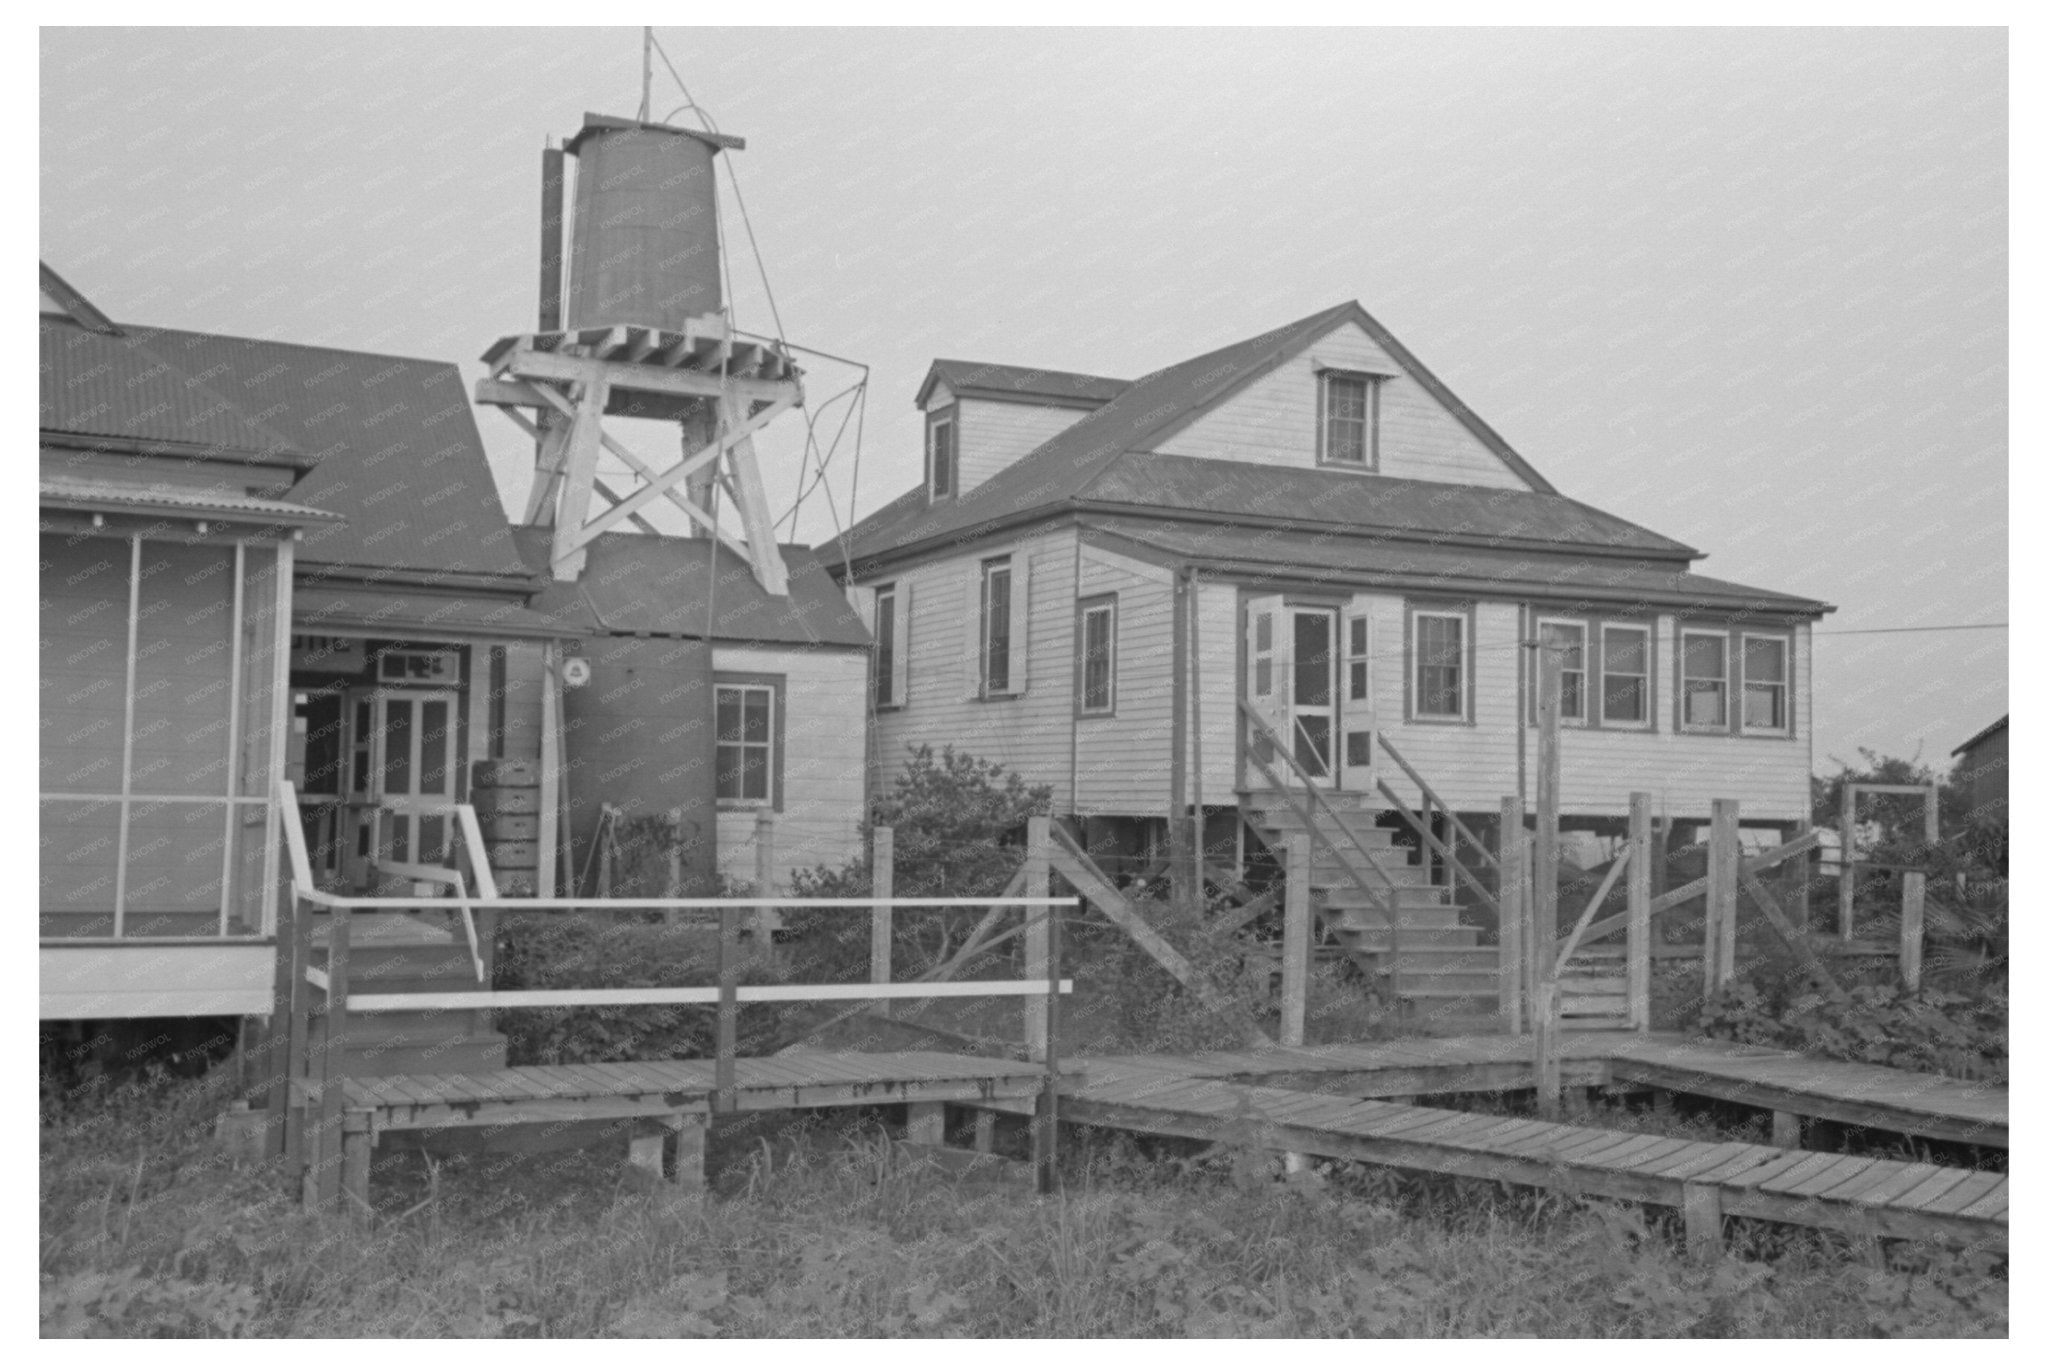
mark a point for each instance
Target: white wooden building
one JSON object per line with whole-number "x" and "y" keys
{"x": 1093, "y": 573}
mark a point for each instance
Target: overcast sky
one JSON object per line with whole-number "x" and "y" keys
{"x": 1745, "y": 287}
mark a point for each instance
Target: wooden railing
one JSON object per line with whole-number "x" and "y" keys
{"x": 315, "y": 1032}
{"x": 1388, "y": 908}
{"x": 1420, "y": 824}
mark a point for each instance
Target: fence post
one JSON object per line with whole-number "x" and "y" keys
{"x": 1845, "y": 879}
{"x": 1045, "y": 1116}
{"x": 1037, "y": 933}
{"x": 1294, "y": 944}
{"x": 764, "y": 878}
{"x": 1724, "y": 854}
{"x": 1639, "y": 911}
{"x": 1512, "y": 914}
{"x": 882, "y": 923}
{"x": 725, "y": 1096}
{"x": 1912, "y": 925}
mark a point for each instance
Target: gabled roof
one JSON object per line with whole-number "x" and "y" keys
{"x": 390, "y": 441}
{"x": 693, "y": 588}
{"x": 1057, "y": 388}
{"x": 1098, "y": 459}
{"x": 1294, "y": 557}
{"x": 59, "y": 296}
{"x": 1986, "y": 733}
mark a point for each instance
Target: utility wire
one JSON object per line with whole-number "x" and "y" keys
{"x": 1916, "y": 630}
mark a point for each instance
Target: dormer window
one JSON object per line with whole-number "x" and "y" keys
{"x": 1348, "y": 434}
{"x": 941, "y": 456}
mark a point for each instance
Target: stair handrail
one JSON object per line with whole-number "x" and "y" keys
{"x": 1458, "y": 869}
{"x": 1429, "y": 793}
{"x": 1388, "y": 909}
{"x": 442, "y": 876}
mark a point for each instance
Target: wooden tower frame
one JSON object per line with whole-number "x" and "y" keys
{"x": 718, "y": 389}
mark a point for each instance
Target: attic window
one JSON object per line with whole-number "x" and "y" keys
{"x": 1348, "y": 429}
{"x": 940, "y": 457}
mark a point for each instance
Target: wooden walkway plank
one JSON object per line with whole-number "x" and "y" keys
{"x": 1791, "y": 1177}
{"x": 1898, "y": 1181}
{"x": 1641, "y": 1162}
{"x": 1992, "y": 1205}
{"x": 1929, "y": 1190}
{"x": 1834, "y": 1177}
{"x": 1967, "y": 1191}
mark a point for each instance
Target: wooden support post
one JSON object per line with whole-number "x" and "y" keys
{"x": 985, "y": 1131}
{"x": 333, "y": 1059}
{"x": 1702, "y": 1222}
{"x": 1724, "y": 856}
{"x": 1294, "y": 944}
{"x": 1548, "y": 763}
{"x": 1912, "y": 928}
{"x": 881, "y": 923}
{"x": 1639, "y": 896}
{"x": 1038, "y": 936}
{"x": 725, "y": 1068}
{"x": 1845, "y": 883}
{"x": 553, "y": 829}
{"x": 926, "y": 1123}
{"x": 644, "y": 1151}
{"x": 355, "y": 1174}
{"x": 1801, "y": 908}
{"x": 764, "y": 874}
{"x": 689, "y": 1132}
{"x": 1785, "y": 1129}
{"x": 1513, "y": 914}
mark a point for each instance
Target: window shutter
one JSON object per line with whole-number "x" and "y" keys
{"x": 899, "y": 672}
{"x": 970, "y": 633}
{"x": 1020, "y": 621}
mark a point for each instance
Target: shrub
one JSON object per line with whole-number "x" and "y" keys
{"x": 542, "y": 951}
{"x": 1928, "y": 1030}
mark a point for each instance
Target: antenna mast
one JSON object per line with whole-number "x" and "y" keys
{"x": 646, "y": 73}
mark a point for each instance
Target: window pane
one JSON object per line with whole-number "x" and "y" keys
{"x": 730, "y": 705}
{"x": 1763, "y": 706}
{"x": 1358, "y": 748}
{"x": 942, "y": 458}
{"x": 1706, "y": 656}
{"x": 1621, "y": 697}
{"x": 885, "y": 648}
{"x": 756, "y": 774}
{"x": 729, "y": 763}
{"x": 759, "y": 704}
{"x": 397, "y": 747}
{"x": 435, "y": 743}
{"x": 1312, "y": 744}
{"x": 1763, "y": 659}
{"x": 1359, "y": 681}
{"x": 1440, "y": 676}
{"x": 1359, "y": 627}
{"x": 1095, "y": 644}
{"x": 1311, "y": 659}
{"x": 995, "y": 617}
{"x": 1570, "y": 640}
{"x": 1705, "y": 704}
{"x": 1626, "y": 651}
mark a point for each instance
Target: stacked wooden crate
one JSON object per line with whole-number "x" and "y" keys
{"x": 507, "y": 796}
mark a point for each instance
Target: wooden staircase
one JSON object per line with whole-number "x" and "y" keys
{"x": 407, "y": 953}
{"x": 1435, "y": 965}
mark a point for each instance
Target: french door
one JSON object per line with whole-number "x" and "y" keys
{"x": 399, "y": 800}
{"x": 1291, "y": 655}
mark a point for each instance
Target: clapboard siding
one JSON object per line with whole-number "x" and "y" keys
{"x": 1031, "y": 734}
{"x": 992, "y": 436}
{"x": 1122, "y": 764}
{"x": 1473, "y": 766}
{"x": 824, "y": 747}
{"x": 1273, "y": 421}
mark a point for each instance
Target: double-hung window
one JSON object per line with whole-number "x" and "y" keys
{"x": 1567, "y": 639}
{"x": 941, "y": 456}
{"x": 995, "y": 627}
{"x": 891, "y": 670}
{"x": 1765, "y": 680}
{"x": 1350, "y": 410}
{"x": 746, "y": 720}
{"x": 1624, "y": 675}
{"x": 1097, "y": 632}
{"x": 1439, "y": 659}
{"x": 1703, "y": 680}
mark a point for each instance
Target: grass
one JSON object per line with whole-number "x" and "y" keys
{"x": 821, "y": 1226}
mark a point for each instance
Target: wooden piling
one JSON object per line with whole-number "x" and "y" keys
{"x": 1639, "y": 896}
{"x": 1513, "y": 914}
{"x": 1912, "y": 929}
{"x": 881, "y": 924}
{"x": 1294, "y": 943}
{"x": 1724, "y": 854}
{"x": 1702, "y": 1222}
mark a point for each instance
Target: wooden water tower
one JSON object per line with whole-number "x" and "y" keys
{"x": 645, "y": 334}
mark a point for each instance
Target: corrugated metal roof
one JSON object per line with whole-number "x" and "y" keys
{"x": 392, "y": 439}
{"x": 110, "y": 495}
{"x": 432, "y": 615}
{"x": 1019, "y": 381}
{"x": 1297, "y": 556}
{"x": 697, "y": 589}
{"x": 1086, "y": 462}
{"x": 123, "y": 388}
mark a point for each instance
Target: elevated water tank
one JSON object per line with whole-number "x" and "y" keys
{"x": 644, "y": 237}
